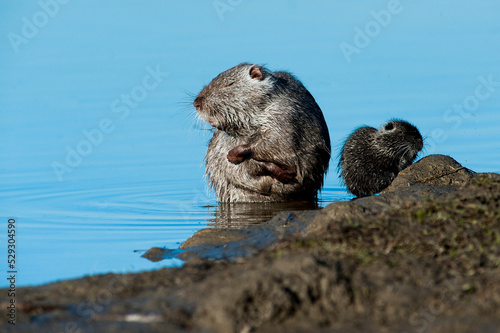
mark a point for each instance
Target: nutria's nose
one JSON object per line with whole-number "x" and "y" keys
{"x": 197, "y": 103}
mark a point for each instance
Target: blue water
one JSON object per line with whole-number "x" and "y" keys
{"x": 100, "y": 154}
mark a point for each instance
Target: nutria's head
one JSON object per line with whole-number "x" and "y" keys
{"x": 400, "y": 141}
{"x": 234, "y": 99}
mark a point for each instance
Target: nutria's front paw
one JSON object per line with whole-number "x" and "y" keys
{"x": 285, "y": 176}
{"x": 281, "y": 174}
{"x": 239, "y": 153}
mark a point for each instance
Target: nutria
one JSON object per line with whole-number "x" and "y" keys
{"x": 370, "y": 159}
{"x": 270, "y": 141}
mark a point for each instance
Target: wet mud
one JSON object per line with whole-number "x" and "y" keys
{"x": 424, "y": 256}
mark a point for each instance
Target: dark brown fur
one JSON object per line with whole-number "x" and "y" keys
{"x": 270, "y": 140}
{"x": 370, "y": 159}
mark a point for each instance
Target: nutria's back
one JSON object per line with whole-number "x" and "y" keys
{"x": 277, "y": 122}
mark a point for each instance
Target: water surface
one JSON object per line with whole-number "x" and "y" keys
{"x": 129, "y": 71}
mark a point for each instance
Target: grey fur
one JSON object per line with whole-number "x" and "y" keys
{"x": 370, "y": 159}
{"x": 272, "y": 130}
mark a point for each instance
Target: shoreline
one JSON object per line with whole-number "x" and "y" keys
{"x": 422, "y": 256}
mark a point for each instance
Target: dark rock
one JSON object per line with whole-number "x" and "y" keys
{"x": 431, "y": 177}
{"x": 434, "y": 170}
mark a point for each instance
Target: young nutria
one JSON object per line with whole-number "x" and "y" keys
{"x": 270, "y": 141}
{"x": 370, "y": 159}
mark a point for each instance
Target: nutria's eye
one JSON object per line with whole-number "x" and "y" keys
{"x": 389, "y": 127}
{"x": 230, "y": 84}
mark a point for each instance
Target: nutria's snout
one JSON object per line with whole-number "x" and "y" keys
{"x": 199, "y": 106}
{"x": 197, "y": 103}
{"x": 412, "y": 154}
{"x": 417, "y": 146}
{"x": 420, "y": 144}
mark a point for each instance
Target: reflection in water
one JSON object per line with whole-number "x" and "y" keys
{"x": 238, "y": 215}
{"x": 233, "y": 237}
{"x": 226, "y": 226}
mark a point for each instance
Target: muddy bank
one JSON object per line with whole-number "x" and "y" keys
{"x": 424, "y": 256}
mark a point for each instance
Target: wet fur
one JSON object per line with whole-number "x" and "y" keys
{"x": 278, "y": 119}
{"x": 370, "y": 159}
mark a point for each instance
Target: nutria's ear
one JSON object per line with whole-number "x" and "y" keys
{"x": 256, "y": 73}
{"x": 389, "y": 126}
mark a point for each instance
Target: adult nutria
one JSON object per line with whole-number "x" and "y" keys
{"x": 370, "y": 159}
{"x": 270, "y": 141}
